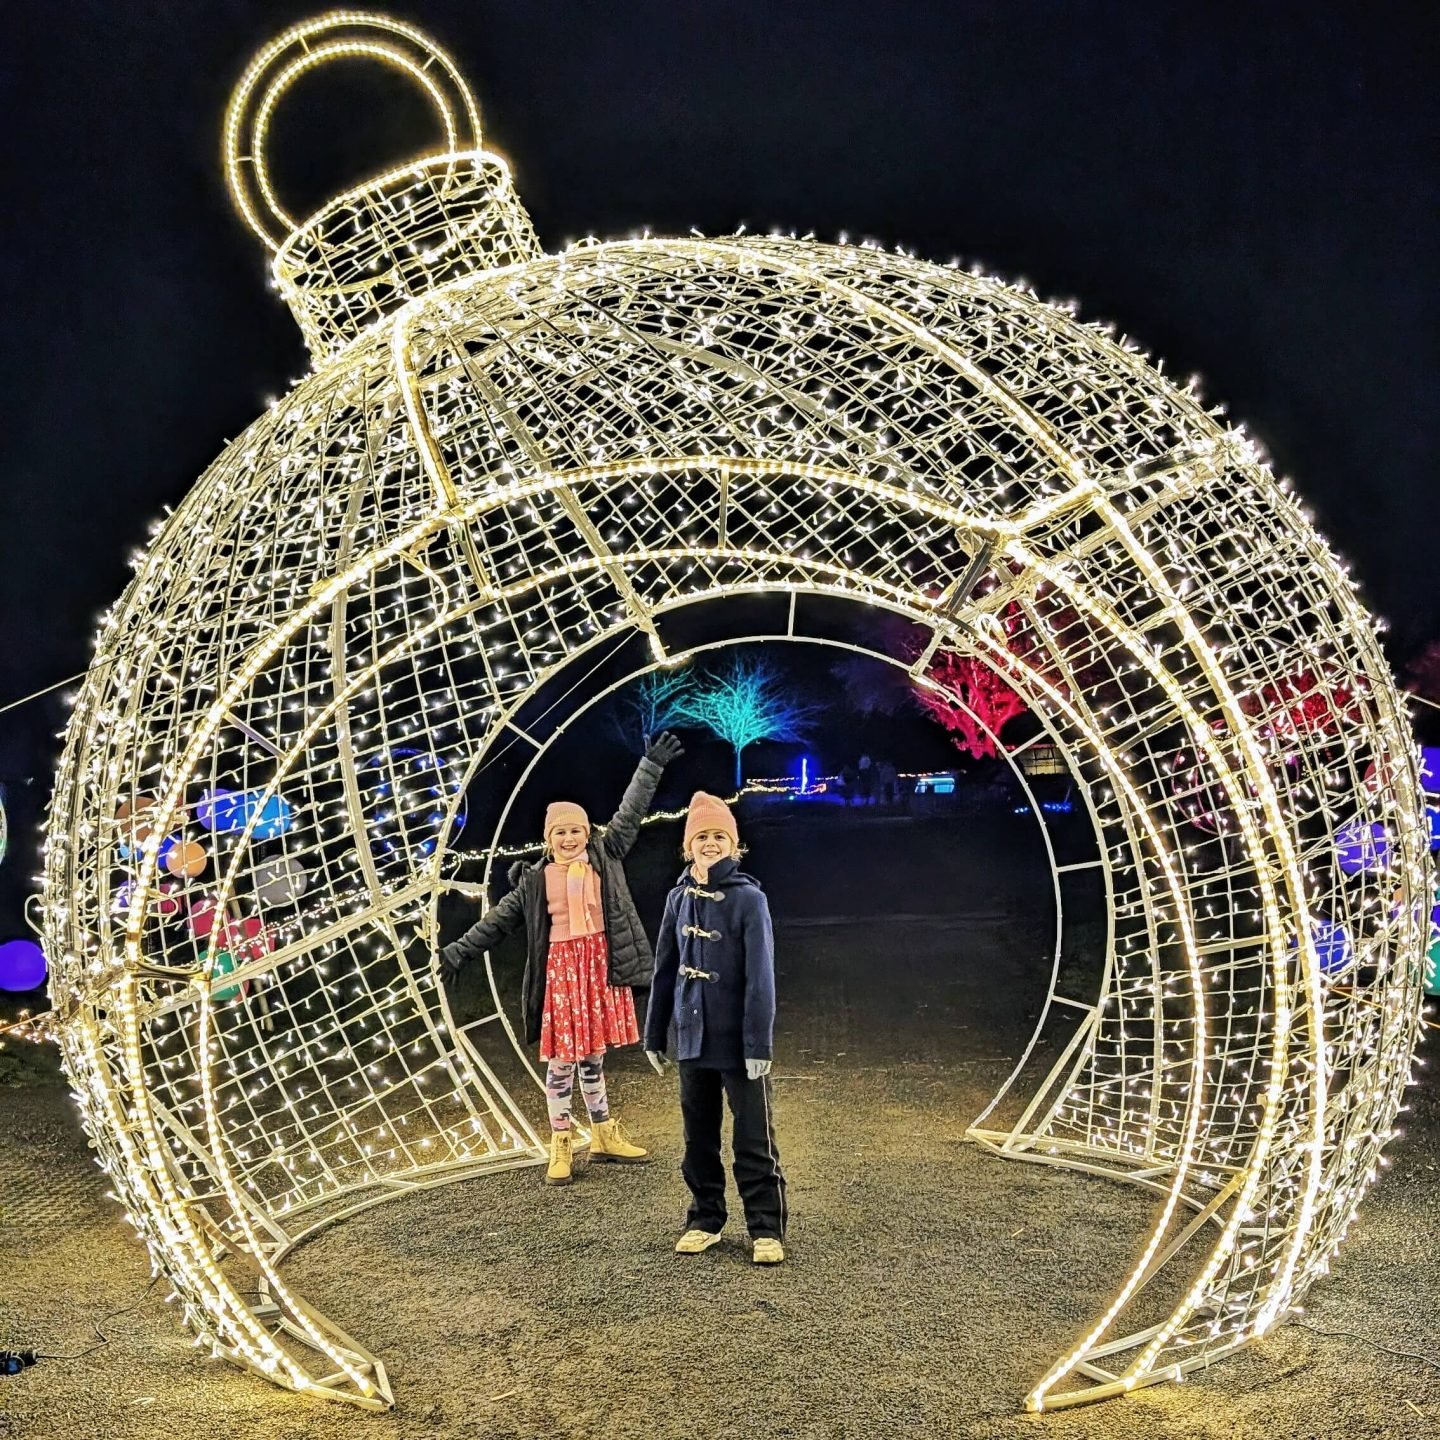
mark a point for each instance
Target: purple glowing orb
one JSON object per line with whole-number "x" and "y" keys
{"x": 22, "y": 965}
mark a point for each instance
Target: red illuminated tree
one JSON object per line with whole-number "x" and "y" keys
{"x": 979, "y": 694}
{"x": 1306, "y": 701}
{"x": 966, "y": 684}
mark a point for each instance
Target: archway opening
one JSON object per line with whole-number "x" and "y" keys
{"x": 915, "y": 864}
{"x": 900, "y": 1021}
{"x": 1018, "y": 855}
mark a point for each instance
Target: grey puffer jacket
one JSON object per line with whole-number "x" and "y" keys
{"x": 632, "y": 962}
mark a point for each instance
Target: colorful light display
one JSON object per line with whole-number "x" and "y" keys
{"x": 261, "y": 815}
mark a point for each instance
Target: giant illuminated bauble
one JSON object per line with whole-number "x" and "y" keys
{"x": 509, "y": 470}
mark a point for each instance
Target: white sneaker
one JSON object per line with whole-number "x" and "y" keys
{"x": 768, "y": 1252}
{"x": 692, "y": 1242}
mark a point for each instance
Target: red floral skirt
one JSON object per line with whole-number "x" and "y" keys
{"x": 584, "y": 1013}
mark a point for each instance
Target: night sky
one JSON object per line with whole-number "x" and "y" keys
{"x": 1248, "y": 190}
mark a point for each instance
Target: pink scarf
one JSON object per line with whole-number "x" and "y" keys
{"x": 572, "y": 895}
{"x": 576, "y": 873}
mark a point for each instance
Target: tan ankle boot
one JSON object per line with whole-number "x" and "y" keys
{"x": 608, "y": 1141}
{"x": 558, "y": 1172}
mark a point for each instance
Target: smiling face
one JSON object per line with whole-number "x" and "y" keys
{"x": 567, "y": 842}
{"x": 709, "y": 847}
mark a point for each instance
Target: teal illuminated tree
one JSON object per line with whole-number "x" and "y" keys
{"x": 654, "y": 702}
{"x": 745, "y": 701}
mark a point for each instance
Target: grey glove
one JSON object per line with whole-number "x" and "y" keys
{"x": 756, "y": 1069}
{"x": 663, "y": 749}
{"x": 448, "y": 966}
{"x": 657, "y": 1060}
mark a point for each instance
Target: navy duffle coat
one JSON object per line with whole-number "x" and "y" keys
{"x": 714, "y": 971}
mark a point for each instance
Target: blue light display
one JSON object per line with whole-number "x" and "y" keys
{"x": 1361, "y": 846}
{"x": 1332, "y": 945}
{"x": 1430, "y": 770}
{"x": 935, "y": 785}
{"x": 222, "y": 811}
{"x": 407, "y": 792}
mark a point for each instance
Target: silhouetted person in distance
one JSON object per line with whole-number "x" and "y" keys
{"x": 866, "y": 780}
{"x": 887, "y": 781}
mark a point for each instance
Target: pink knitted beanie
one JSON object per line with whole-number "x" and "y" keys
{"x": 564, "y": 812}
{"x": 709, "y": 813}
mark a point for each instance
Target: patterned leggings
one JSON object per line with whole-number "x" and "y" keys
{"x": 560, "y": 1086}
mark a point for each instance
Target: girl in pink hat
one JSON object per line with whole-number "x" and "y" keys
{"x": 715, "y": 988}
{"x": 586, "y": 950}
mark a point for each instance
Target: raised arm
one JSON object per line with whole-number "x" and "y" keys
{"x": 758, "y": 1026}
{"x": 662, "y": 987}
{"x": 624, "y": 827}
{"x": 494, "y": 925}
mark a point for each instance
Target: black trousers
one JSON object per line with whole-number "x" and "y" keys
{"x": 758, "y": 1175}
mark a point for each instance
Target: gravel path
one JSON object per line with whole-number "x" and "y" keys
{"x": 927, "y": 1283}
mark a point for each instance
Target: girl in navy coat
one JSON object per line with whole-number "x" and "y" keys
{"x": 715, "y": 982}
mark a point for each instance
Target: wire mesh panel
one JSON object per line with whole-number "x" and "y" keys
{"x": 504, "y": 459}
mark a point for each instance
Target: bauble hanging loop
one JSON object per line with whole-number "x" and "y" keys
{"x": 368, "y": 251}
{"x": 340, "y": 35}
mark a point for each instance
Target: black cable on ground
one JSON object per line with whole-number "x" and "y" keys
{"x": 12, "y": 1362}
{"x": 1374, "y": 1344}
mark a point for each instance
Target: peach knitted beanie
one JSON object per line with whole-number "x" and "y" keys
{"x": 564, "y": 812}
{"x": 707, "y": 812}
